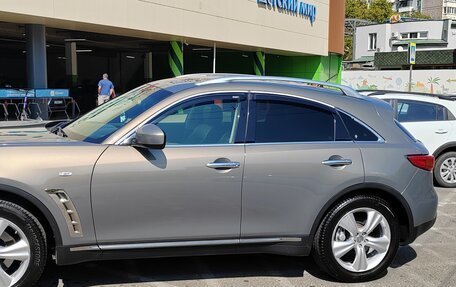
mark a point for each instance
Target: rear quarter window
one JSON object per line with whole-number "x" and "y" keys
{"x": 358, "y": 130}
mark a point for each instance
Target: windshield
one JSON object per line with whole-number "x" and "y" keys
{"x": 102, "y": 122}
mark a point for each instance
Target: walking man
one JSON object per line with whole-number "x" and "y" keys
{"x": 105, "y": 90}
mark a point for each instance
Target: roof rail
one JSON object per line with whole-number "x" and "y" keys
{"x": 344, "y": 89}
{"x": 386, "y": 92}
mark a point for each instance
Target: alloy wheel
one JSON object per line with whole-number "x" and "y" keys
{"x": 448, "y": 170}
{"x": 361, "y": 240}
{"x": 14, "y": 253}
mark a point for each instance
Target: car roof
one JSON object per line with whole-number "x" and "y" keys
{"x": 387, "y": 94}
{"x": 211, "y": 79}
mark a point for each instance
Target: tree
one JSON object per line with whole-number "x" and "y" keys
{"x": 416, "y": 15}
{"x": 348, "y": 48}
{"x": 379, "y": 11}
{"x": 356, "y": 9}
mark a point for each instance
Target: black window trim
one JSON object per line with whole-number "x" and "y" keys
{"x": 125, "y": 140}
{"x": 255, "y": 95}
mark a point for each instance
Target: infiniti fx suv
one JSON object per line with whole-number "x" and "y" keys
{"x": 216, "y": 164}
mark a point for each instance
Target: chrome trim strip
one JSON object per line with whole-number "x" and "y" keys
{"x": 127, "y": 136}
{"x": 85, "y": 248}
{"x": 294, "y": 143}
{"x": 344, "y": 89}
{"x": 270, "y": 240}
{"x": 167, "y": 244}
{"x": 184, "y": 244}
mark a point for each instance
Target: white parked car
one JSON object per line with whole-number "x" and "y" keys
{"x": 430, "y": 119}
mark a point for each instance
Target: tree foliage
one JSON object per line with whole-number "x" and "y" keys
{"x": 348, "y": 48}
{"x": 417, "y": 15}
{"x": 379, "y": 11}
{"x": 356, "y": 9}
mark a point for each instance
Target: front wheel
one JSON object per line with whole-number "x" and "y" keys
{"x": 445, "y": 169}
{"x": 358, "y": 239}
{"x": 23, "y": 250}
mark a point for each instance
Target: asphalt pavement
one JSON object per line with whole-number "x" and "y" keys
{"x": 429, "y": 261}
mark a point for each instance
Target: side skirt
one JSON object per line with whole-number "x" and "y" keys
{"x": 66, "y": 255}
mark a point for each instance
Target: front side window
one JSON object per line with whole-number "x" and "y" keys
{"x": 414, "y": 111}
{"x": 287, "y": 121}
{"x": 213, "y": 120}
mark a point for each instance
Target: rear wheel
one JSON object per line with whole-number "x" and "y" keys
{"x": 357, "y": 239}
{"x": 22, "y": 246}
{"x": 445, "y": 169}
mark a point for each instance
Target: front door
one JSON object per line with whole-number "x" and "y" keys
{"x": 189, "y": 191}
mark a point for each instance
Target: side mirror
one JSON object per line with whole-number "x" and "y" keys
{"x": 150, "y": 136}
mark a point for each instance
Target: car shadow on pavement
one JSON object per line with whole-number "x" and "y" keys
{"x": 404, "y": 255}
{"x": 190, "y": 269}
{"x": 178, "y": 269}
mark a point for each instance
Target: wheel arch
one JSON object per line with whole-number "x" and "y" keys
{"x": 450, "y": 146}
{"x": 37, "y": 208}
{"x": 401, "y": 208}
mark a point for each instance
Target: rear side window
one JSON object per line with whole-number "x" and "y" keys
{"x": 414, "y": 111}
{"x": 288, "y": 121}
{"x": 358, "y": 131}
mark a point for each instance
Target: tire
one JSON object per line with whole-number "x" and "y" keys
{"x": 446, "y": 161}
{"x": 20, "y": 230}
{"x": 331, "y": 238}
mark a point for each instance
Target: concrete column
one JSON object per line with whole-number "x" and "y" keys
{"x": 71, "y": 63}
{"x": 176, "y": 58}
{"x": 36, "y": 62}
{"x": 36, "y": 56}
{"x": 148, "y": 67}
{"x": 259, "y": 65}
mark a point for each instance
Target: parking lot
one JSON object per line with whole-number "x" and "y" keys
{"x": 430, "y": 261}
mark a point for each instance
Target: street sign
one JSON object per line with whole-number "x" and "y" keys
{"x": 412, "y": 53}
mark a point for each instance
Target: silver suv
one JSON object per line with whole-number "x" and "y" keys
{"x": 216, "y": 164}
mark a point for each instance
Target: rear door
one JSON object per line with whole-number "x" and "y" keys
{"x": 298, "y": 156}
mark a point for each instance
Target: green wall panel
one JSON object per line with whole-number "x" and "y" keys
{"x": 317, "y": 68}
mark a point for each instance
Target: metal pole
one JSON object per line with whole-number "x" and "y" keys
{"x": 215, "y": 57}
{"x": 410, "y": 78}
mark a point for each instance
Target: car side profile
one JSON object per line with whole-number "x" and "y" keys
{"x": 217, "y": 164}
{"x": 431, "y": 119}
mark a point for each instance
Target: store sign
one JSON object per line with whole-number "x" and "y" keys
{"x": 296, "y": 7}
{"x": 411, "y": 55}
{"x": 52, "y": 93}
{"x": 34, "y": 93}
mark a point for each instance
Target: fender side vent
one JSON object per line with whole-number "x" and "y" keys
{"x": 68, "y": 210}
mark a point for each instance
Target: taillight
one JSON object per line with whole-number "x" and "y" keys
{"x": 425, "y": 162}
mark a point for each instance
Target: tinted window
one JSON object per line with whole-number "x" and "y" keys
{"x": 211, "y": 121}
{"x": 282, "y": 121}
{"x": 357, "y": 130}
{"x": 413, "y": 111}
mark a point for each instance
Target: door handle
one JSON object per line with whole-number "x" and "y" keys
{"x": 441, "y": 131}
{"x": 224, "y": 165}
{"x": 337, "y": 162}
